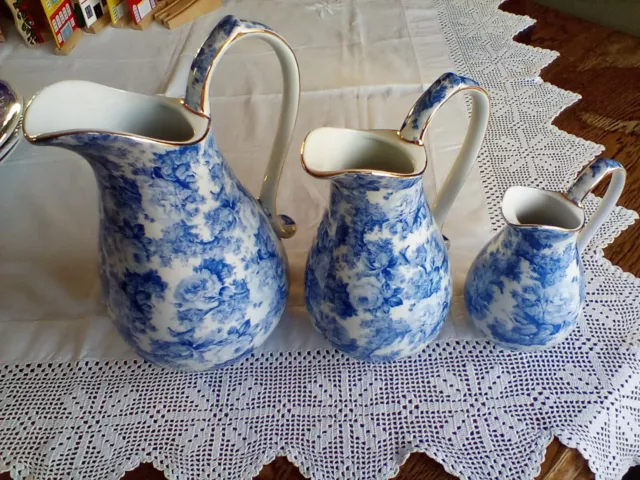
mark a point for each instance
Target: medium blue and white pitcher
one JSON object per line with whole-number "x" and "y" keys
{"x": 525, "y": 289}
{"x": 377, "y": 280}
{"x": 193, "y": 271}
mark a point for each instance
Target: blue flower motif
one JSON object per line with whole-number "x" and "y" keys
{"x": 336, "y": 333}
{"x": 375, "y": 296}
{"x": 226, "y": 29}
{"x": 141, "y": 290}
{"x": 384, "y": 333}
{"x": 361, "y": 293}
{"x": 175, "y": 199}
{"x": 192, "y": 316}
{"x": 200, "y": 289}
{"x": 179, "y": 241}
{"x": 191, "y": 271}
{"x": 591, "y": 175}
{"x": 121, "y": 197}
{"x": 134, "y": 234}
{"x": 424, "y": 284}
{"x": 356, "y": 279}
{"x": 212, "y": 289}
{"x": 106, "y": 158}
{"x": 521, "y": 289}
{"x": 171, "y": 182}
{"x": 183, "y": 346}
{"x": 336, "y": 294}
{"x": 442, "y": 89}
{"x": 218, "y": 267}
{"x": 479, "y": 289}
{"x": 222, "y": 219}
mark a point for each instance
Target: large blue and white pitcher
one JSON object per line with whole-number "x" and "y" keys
{"x": 193, "y": 271}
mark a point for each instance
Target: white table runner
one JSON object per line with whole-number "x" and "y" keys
{"x": 360, "y": 74}
{"x": 94, "y": 411}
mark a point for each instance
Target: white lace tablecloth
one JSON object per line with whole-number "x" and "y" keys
{"x": 76, "y": 403}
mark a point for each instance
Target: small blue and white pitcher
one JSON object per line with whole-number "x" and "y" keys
{"x": 525, "y": 289}
{"x": 193, "y": 271}
{"x": 377, "y": 281}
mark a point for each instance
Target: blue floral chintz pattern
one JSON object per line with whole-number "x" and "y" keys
{"x": 525, "y": 289}
{"x": 192, "y": 272}
{"x": 447, "y": 85}
{"x": 592, "y": 175}
{"x": 226, "y": 30}
{"x": 377, "y": 281}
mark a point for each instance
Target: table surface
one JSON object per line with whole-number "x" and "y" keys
{"x": 603, "y": 66}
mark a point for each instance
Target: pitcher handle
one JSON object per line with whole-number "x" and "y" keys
{"x": 225, "y": 33}
{"x": 417, "y": 121}
{"x": 587, "y": 180}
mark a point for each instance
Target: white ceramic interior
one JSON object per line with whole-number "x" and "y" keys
{"x": 526, "y": 206}
{"x": 78, "y": 106}
{"x": 331, "y": 151}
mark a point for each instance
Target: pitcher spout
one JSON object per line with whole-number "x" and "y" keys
{"x": 330, "y": 152}
{"x": 527, "y": 207}
{"x": 71, "y": 108}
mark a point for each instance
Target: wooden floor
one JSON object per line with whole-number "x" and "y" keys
{"x": 604, "y": 67}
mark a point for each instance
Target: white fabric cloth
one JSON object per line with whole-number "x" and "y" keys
{"x": 360, "y": 74}
{"x": 84, "y": 407}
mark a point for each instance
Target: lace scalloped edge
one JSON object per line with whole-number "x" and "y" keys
{"x": 628, "y": 218}
{"x": 393, "y": 464}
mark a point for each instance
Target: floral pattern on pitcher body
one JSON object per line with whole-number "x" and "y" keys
{"x": 525, "y": 289}
{"x": 193, "y": 270}
{"x": 378, "y": 280}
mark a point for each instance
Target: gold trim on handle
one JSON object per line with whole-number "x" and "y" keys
{"x": 283, "y": 231}
{"x": 205, "y": 84}
{"x": 420, "y": 142}
{"x": 226, "y": 44}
